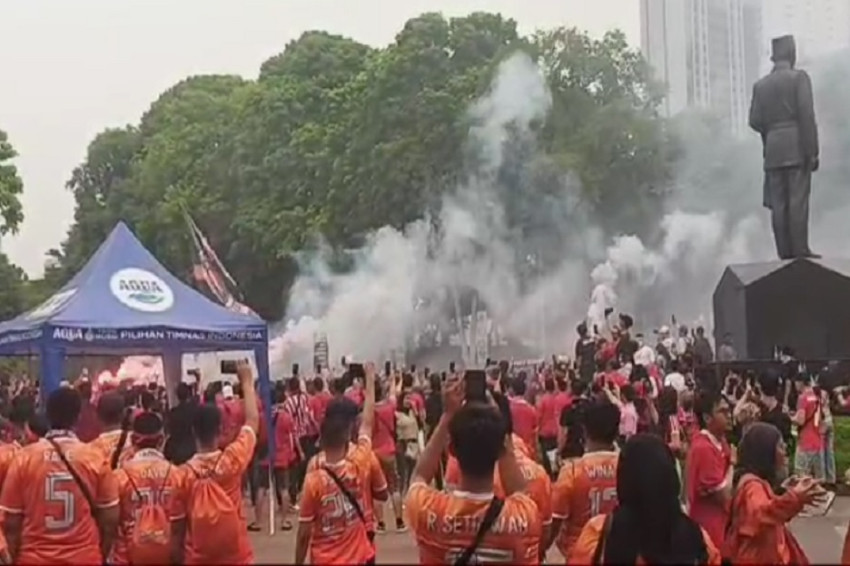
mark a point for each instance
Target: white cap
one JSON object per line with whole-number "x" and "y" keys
{"x": 227, "y": 391}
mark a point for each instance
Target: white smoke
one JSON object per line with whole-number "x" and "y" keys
{"x": 402, "y": 279}
{"x": 371, "y": 309}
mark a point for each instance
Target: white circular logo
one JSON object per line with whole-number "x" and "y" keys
{"x": 141, "y": 290}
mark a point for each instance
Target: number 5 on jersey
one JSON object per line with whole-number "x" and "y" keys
{"x": 57, "y": 492}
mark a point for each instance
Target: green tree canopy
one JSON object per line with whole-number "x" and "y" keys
{"x": 336, "y": 139}
{"x": 11, "y": 188}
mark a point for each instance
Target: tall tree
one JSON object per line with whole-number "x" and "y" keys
{"x": 336, "y": 139}
{"x": 11, "y": 188}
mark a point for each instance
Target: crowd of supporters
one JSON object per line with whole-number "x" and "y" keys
{"x": 626, "y": 453}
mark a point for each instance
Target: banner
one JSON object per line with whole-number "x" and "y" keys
{"x": 209, "y": 271}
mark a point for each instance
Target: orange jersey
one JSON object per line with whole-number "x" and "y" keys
{"x": 375, "y": 479}
{"x": 227, "y": 467}
{"x": 7, "y": 456}
{"x": 584, "y": 549}
{"x": 338, "y": 534}
{"x": 107, "y": 443}
{"x": 759, "y": 531}
{"x": 586, "y": 487}
{"x": 538, "y": 484}
{"x": 445, "y": 524}
{"x": 58, "y": 526}
{"x": 150, "y": 476}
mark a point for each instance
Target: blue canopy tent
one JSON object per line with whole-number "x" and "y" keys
{"x": 124, "y": 300}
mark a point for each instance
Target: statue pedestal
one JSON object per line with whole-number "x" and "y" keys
{"x": 800, "y": 303}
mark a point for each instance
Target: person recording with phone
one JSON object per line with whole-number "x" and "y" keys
{"x": 472, "y": 524}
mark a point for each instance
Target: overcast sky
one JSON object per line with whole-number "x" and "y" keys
{"x": 71, "y": 68}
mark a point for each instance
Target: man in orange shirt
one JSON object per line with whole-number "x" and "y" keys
{"x": 587, "y": 486}
{"x": 447, "y": 524}
{"x": 226, "y": 467}
{"x": 333, "y": 523}
{"x": 147, "y": 479}
{"x": 375, "y": 480}
{"x": 111, "y": 412}
{"x": 60, "y": 499}
{"x": 538, "y": 483}
{"x": 8, "y": 451}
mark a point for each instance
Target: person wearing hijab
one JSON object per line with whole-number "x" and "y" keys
{"x": 758, "y": 528}
{"x": 648, "y": 525}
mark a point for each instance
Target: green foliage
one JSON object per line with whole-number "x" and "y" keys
{"x": 842, "y": 445}
{"x": 336, "y": 139}
{"x": 11, "y": 188}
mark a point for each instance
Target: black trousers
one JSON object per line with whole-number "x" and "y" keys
{"x": 308, "y": 447}
{"x": 548, "y": 443}
{"x": 786, "y": 194}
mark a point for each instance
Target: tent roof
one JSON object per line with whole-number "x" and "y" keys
{"x": 748, "y": 273}
{"x": 123, "y": 298}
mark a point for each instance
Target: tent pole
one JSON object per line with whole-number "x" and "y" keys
{"x": 261, "y": 357}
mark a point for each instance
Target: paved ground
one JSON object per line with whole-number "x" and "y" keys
{"x": 821, "y": 537}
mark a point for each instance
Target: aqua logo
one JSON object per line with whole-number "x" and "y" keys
{"x": 141, "y": 290}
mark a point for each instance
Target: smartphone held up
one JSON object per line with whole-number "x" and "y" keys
{"x": 475, "y": 385}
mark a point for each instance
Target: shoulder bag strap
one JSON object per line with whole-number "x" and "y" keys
{"x": 348, "y": 495}
{"x": 125, "y": 431}
{"x": 490, "y": 516}
{"x": 599, "y": 553}
{"x": 164, "y": 482}
{"x": 77, "y": 479}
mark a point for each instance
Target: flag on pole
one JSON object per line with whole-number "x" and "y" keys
{"x": 210, "y": 272}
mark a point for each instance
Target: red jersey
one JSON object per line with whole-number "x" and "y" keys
{"x": 232, "y": 420}
{"x": 810, "y": 437}
{"x": 549, "y": 415}
{"x": 284, "y": 437}
{"x": 319, "y": 404}
{"x": 58, "y": 526}
{"x": 526, "y": 422}
{"x": 708, "y": 470}
{"x": 383, "y": 429}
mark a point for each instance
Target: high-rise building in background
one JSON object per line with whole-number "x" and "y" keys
{"x": 820, "y": 27}
{"x": 698, "y": 50}
{"x": 708, "y": 53}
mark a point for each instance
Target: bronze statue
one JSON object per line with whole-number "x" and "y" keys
{"x": 783, "y": 113}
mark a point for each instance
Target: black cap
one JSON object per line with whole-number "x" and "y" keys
{"x": 783, "y": 48}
